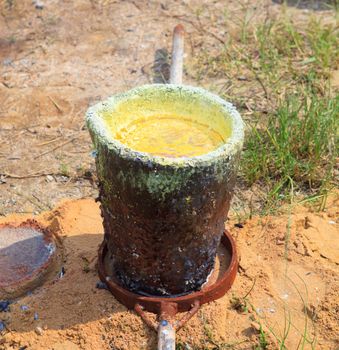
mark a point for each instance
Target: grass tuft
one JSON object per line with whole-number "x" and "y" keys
{"x": 262, "y": 339}
{"x": 297, "y": 149}
{"x": 278, "y": 73}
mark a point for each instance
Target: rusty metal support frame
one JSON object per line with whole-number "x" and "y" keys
{"x": 167, "y": 307}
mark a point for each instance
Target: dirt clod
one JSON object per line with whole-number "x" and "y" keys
{"x": 39, "y": 331}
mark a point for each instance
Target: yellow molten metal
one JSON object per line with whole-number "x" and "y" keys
{"x": 169, "y": 136}
{"x": 168, "y": 127}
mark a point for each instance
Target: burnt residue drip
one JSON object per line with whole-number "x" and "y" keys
{"x": 164, "y": 214}
{"x": 162, "y": 245}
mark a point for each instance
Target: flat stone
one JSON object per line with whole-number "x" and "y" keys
{"x": 26, "y": 254}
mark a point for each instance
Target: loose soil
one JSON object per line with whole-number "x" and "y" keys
{"x": 290, "y": 263}
{"x": 54, "y": 63}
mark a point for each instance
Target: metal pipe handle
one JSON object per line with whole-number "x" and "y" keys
{"x": 166, "y": 336}
{"x": 177, "y": 55}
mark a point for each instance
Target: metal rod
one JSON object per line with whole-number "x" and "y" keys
{"x": 166, "y": 331}
{"x": 177, "y": 55}
{"x": 195, "y": 308}
{"x": 166, "y": 336}
{"x": 140, "y": 311}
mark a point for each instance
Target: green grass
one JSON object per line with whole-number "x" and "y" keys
{"x": 262, "y": 340}
{"x": 64, "y": 169}
{"x": 296, "y": 150}
{"x": 286, "y": 98}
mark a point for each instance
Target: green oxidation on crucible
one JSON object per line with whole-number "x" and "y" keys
{"x": 164, "y": 209}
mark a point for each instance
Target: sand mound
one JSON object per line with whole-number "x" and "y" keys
{"x": 290, "y": 261}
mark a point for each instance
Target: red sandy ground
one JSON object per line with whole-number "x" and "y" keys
{"x": 293, "y": 269}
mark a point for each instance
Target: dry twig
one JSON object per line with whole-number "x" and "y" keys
{"x": 58, "y": 146}
{"x": 55, "y": 104}
{"x": 15, "y": 176}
